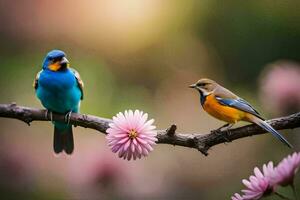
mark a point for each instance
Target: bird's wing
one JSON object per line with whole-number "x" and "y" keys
{"x": 240, "y": 104}
{"x": 79, "y": 81}
{"x": 36, "y": 80}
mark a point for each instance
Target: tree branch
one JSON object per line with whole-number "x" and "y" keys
{"x": 202, "y": 142}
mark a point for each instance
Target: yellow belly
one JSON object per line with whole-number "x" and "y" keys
{"x": 224, "y": 113}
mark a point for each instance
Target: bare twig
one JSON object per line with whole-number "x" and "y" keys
{"x": 171, "y": 131}
{"x": 202, "y": 142}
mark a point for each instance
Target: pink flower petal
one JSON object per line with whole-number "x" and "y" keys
{"x": 286, "y": 170}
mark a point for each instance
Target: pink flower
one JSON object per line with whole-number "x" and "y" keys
{"x": 257, "y": 186}
{"x": 263, "y": 184}
{"x": 286, "y": 169}
{"x": 131, "y": 135}
{"x": 237, "y": 196}
{"x": 280, "y": 91}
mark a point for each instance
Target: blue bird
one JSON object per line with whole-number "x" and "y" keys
{"x": 60, "y": 90}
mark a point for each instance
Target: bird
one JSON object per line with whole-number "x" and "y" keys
{"x": 224, "y": 105}
{"x": 59, "y": 89}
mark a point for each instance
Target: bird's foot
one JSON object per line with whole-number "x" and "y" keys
{"x": 68, "y": 117}
{"x": 226, "y": 137}
{"x": 216, "y": 131}
{"x": 227, "y": 129}
{"x": 225, "y": 126}
{"x": 50, "y": 113}
{"x": 220, "y": 132}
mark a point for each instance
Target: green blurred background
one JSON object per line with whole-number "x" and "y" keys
{"x": 143, "y": 54}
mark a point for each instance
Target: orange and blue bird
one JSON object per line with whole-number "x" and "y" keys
{"x": 226, "y": 106}
{"x": 60, "y": 90}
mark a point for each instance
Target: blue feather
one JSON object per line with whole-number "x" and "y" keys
{"x": 59, "y": 91}
{"x": 240, "y": 104}
{"x": 275, "y": 133}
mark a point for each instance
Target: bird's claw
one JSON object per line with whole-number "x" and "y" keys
{"x": 68, "y": 117}
{"x": 51, "y": 115}
{"x": 218, "y": 132}
{"x": 226, "y": 137}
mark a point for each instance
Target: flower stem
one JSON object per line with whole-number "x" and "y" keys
{"x": 294, "y": 190}
{"x": 282, "y": 196}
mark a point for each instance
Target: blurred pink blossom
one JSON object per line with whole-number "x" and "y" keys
{"x": 280, "y": 87}
{"x": 96, "y": 174}
{"x": 286, "y": 169}
{"x": 17, "y": 171}
{"x": 258, "y": 185}
{"x": 131, "y": 135}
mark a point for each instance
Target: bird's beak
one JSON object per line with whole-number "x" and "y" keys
{"x": 63, "y": 64}
{"x": 64, "y": 61}
{"x": 192, "y": 86}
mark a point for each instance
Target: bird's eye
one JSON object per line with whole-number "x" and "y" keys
{"x": 54, "y": 60}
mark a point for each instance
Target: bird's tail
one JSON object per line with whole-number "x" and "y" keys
{"x": 263, "y": 124}
{"x": 63, "y": 140}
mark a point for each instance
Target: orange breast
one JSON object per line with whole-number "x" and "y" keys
{"x": 221, "y": 112}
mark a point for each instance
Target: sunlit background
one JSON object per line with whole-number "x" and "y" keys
{"x": 143, "y": 54}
